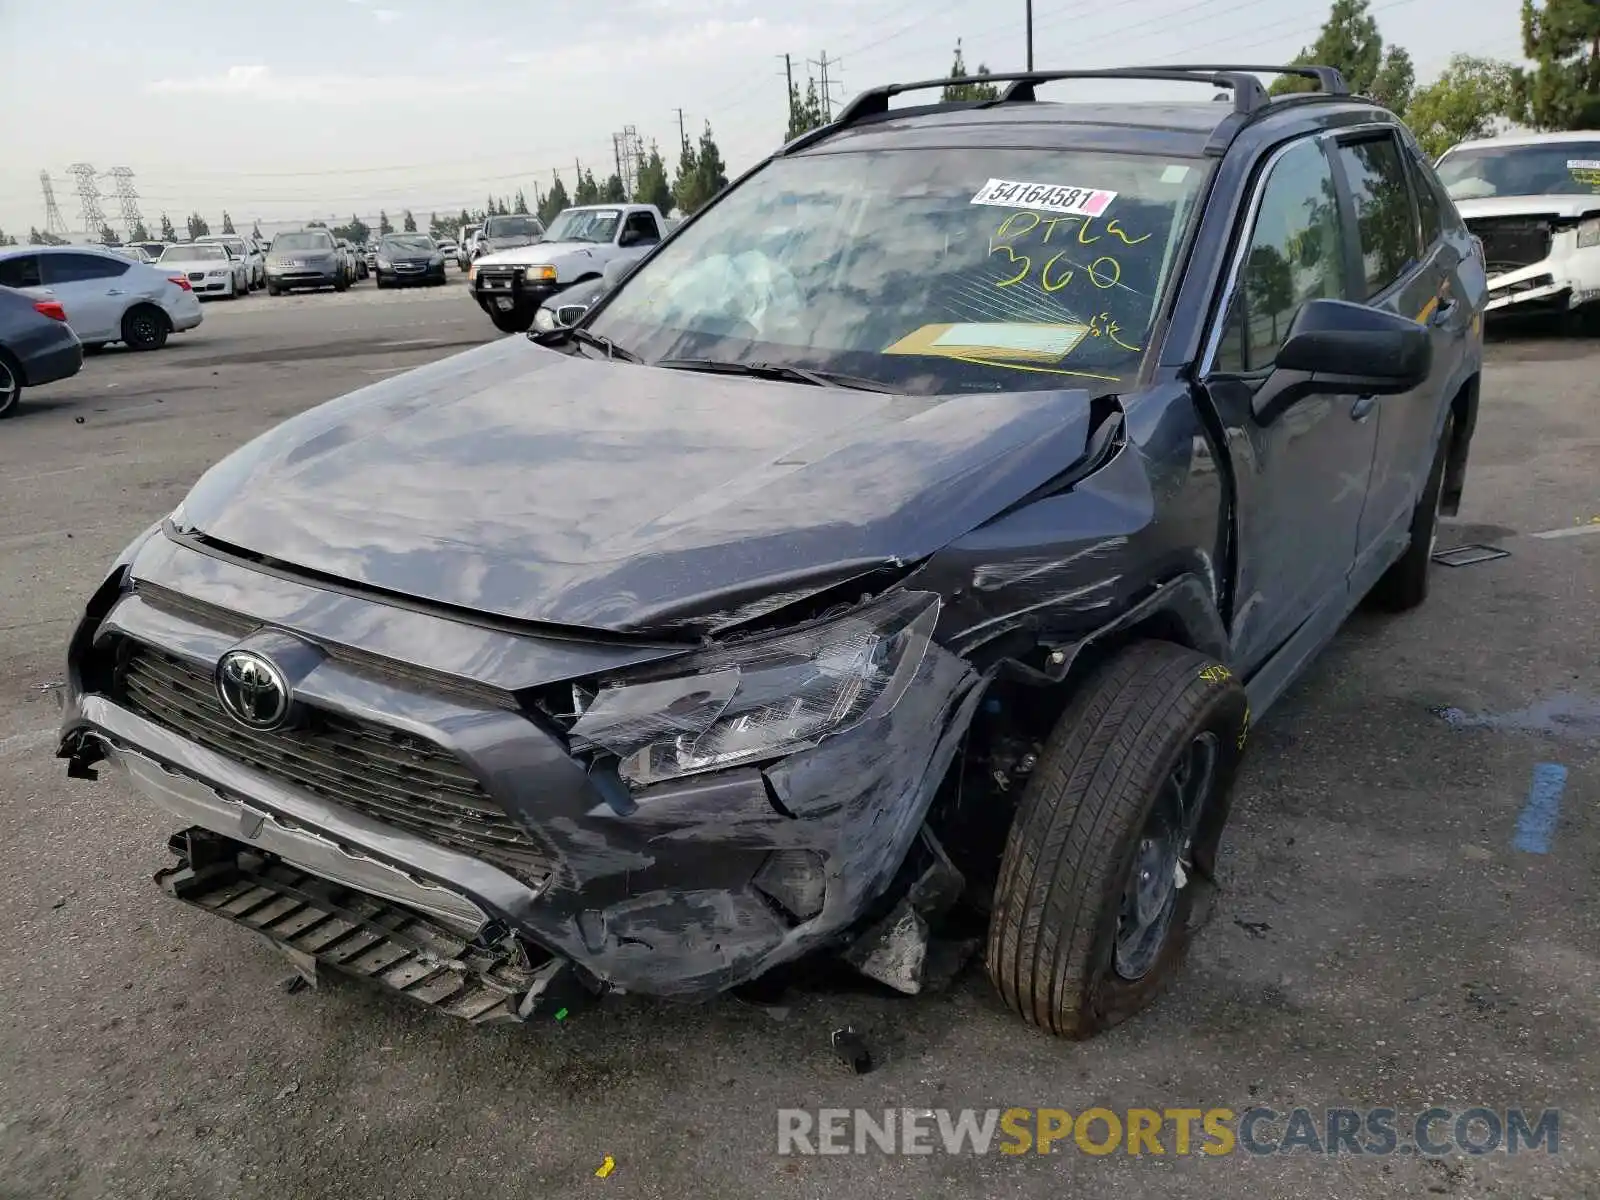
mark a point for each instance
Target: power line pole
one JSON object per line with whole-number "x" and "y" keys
{"x": 616, "y": 152}
{"x": 1030, "y": 34}
{"x": 54, "y": 223}
{"x": 788, "y": 74}
{"x": 683, "y": 138}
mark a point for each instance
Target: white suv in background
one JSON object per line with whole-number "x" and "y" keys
{"x": 1533, "y": 201}
{"x": 107, "y": 297}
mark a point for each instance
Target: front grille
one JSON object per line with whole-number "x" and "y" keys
{"x": 1511, "y": 243}
{"x": 197, "y": 275}
{"x": 383, "y": 773}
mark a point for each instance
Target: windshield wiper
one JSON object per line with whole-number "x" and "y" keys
{"x": 778, "y": 371}
{"x": 599, "y": 342}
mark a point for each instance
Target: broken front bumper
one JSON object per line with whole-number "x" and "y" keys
{"x": 317, "y": 924}
{"x": 680, "y": 888}
{"x": 1568, "y": 278}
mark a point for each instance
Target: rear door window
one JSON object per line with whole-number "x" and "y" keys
{"x": 1381, "y": 194}
{"x": 76, "y": 268}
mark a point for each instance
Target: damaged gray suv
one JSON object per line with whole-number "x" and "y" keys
{"x": 918, "y": 526}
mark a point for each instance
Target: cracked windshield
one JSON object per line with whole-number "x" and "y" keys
{"x": 926, "y": 271}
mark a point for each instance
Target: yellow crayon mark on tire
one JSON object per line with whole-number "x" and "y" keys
{"x": 1216, "y": 673}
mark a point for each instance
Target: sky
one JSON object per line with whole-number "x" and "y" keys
{"x": 315, "y": 109}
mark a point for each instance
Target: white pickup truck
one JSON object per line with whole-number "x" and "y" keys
{"x": 579, "y": 245}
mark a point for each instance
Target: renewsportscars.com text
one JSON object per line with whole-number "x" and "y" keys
{"x": 1211, "y": 1132}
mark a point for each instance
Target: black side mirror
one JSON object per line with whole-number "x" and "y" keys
{"x": 1337, "y": 346}
{"x": 1367, "y": 349}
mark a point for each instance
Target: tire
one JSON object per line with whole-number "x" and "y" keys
{"x": 383, "y": 284}
{"x": 274, "y": 290}
{"x": 10, "y": 386}
{"x": 1405, "y": 584}
{"x": 518, "y": 320}
{"x": 341, "y": 284}
{"x": 1062, "y": 947}
{"x": 145, "y": 327}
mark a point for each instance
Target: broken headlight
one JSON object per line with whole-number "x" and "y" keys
{"x": 763, "y": 697}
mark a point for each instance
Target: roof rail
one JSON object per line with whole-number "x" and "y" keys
{"x": 1249, "y": 96}
{"x": 1327, "y": 79}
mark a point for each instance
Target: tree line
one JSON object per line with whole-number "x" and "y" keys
{"x": 1472, "y": 95}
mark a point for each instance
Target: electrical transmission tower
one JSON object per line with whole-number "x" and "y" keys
{"x": 128, "y": 199}
{"x": 54, "y": 223}
{"x": 94, "y": 219}
{"x": 629, "y": 151}
{"x": 828, "y": 83}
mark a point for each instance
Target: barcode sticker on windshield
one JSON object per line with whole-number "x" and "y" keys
{"x": 1045, "y": 197}
{"x": 1583, "y": 164}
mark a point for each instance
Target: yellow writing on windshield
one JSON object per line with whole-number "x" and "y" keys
{"x": 1038, "y": 249}
{"x": 1106, "y": 326}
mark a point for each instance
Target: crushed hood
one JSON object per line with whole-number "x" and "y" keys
{"x": 1575, "y": 205}
{"x": 517, "y": 481}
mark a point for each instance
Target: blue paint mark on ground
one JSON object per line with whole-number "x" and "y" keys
{"x": 1537, "y": 823}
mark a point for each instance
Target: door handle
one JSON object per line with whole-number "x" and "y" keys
{"x": 1362, "y": 408}
{"x": 1442, "y": 314}
{"x": 113, "y": 291}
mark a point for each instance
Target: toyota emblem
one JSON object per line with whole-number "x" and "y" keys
{"x": 252, "y": 690}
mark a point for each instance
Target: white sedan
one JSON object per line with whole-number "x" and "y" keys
{"x": 211, "y": 269}
{"x": 255, "y": 263}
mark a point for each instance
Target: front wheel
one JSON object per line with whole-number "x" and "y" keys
{"x": 518, "y": 320}
{"x": 341, "y": 284}
{"x": 1116, "y": 832}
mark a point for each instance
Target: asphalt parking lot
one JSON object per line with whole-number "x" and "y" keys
{"x": 1378, "y": 940}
